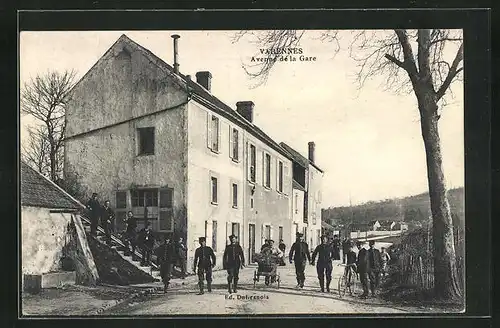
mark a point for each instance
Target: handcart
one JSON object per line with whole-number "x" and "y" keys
{"x": 267, "y": 268}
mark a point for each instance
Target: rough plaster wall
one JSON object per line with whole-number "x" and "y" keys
{"x": 202, "y": 162}
{"x": 43, "y": 237}
{"x": 121, "y": 87}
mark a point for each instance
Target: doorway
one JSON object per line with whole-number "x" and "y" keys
{"x": 251, "y": 243}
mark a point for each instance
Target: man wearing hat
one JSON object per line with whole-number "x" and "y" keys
{"x": 204, "y": 260}
{"x": 299, "y": 253}
{"x": 233, "y": 259}
{"x": 362, "y": 267}
{"x": 324, "y": 266}
{"x": 374, "y": 266}
{"x": 166, "y": 256}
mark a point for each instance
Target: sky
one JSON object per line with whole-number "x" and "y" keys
{"x": 368, "y": 140}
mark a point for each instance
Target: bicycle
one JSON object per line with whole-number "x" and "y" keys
{"x": 348, "y": 280}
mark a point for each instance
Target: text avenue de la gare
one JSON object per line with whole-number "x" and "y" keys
{"x": 282, "y": 55}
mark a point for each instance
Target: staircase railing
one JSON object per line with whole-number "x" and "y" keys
{"x": 116, "y": 239}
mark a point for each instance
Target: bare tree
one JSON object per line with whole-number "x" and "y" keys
{"x": 35, "y": 152}
{"x": 411, "y": 60}
{"x": 45, "y": 98}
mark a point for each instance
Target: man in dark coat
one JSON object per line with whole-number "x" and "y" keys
{"x": 336, "y": 248}
{"x": 324, "y": 266}
{"x": 94, "y": 213}
{"x": 374, "y": 267}
{"x": 131, "y": 234}
{"x": 299, "y": 253}
{"x": 232, "y": 260}
{"x": 181, "y": 253}
{"x": 166, "y": 257}
{"x": 204, "y": 260}
{"x": 346, "y": 246}
{"x": 282, "y": 248}
{"x": 265, "y": 245}
{"x": 147, "y": 240}
{"x": 107, "y": 221}
{"x": 362, "y": 267}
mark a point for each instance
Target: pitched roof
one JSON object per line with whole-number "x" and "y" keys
{"x": 38, "y": 191}
{"x": 200, "y": 94}
{"x": 326, "y": 225}
{"x": 296, "y": 185}
{"x": 298, "y": 158}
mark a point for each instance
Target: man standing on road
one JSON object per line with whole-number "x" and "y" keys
{"x": 324, "y": 266}
{"x": 204, "y": 260}
{"x": 181, "y": 252}
{"x": 336, "y": 248}
{"x": 374, "y": 266}
{"x": 94, "y": 213}
{"x": 346, "y": 247}
{"x": 233, "y": 259}
{"x": 385, "y": 258}
{"x": 362, "y": 266}
{"x": 299, "y": 253}
{"x": 166, "y": 256}
{"x": 107, "y": 219}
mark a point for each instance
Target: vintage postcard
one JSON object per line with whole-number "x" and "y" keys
{"x": 242, "y": 172}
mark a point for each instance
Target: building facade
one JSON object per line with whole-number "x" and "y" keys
{"x": 154, "y": 142}
{"x": 307, "y": 184}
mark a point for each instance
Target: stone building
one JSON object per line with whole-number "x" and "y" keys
{"x": 307, "y": 184}
{"x": 156, "y": 142}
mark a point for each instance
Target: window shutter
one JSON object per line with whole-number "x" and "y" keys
{"x": 231, "y": 142}
{"x": 166, "y": 211}
{"x": 263, "y": 234}
{"x": 287, "y": 181}
{"x": 219, "y": 146}
{"x": 247, "y": 157}
{"x": 209, "y": 130}
{"x": 263, "y": 168}
{"x": 278, "y": 174}
{"x": 229, "y": 229}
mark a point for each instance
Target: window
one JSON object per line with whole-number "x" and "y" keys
{"x": 280, "y": 176}
{"x": 235, "y": 230}
{"x": 252, "y": 163}
{"x": 213, "y": 133}
{"x": 234, "y": 144}
{"x": 214, "y": 190}
{"x": 267, "y": 170}
{"x": 144, "y": 197}
{"x": 146, "y": 141}
{"x": 214, "y": 236}
{"x": 235, "y": 195}
{"x": 251, "y": 202}
{"x": 280, "y": 233}
{"x": 121, "y": 199}
{"x": 267, "y": 232}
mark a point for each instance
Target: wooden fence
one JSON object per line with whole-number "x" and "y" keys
{"x": 414, "y": 263}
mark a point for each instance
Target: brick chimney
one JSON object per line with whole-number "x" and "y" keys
{"x": 245, "y": 109}
{"x": 176, "y": 53}
{"x": 204, "y": 79}
{"x": 311, "y": 150}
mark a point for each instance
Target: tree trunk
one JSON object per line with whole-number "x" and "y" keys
{"x": 445, "y": 270}
{"x": 53, "y": 164}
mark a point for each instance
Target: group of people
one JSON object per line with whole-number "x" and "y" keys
{"x": 144, "y": 238}
{"x": 369, "y": 264}
{"x": 204, "y": 261}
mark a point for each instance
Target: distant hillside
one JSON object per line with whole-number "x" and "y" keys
{"x": 413, "y": 209}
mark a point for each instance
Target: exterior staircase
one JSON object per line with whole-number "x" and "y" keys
{"x": 117, "y": 244}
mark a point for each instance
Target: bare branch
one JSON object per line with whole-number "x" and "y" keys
{"x": 454, "y": 70}
{"x": 45, "y": 98}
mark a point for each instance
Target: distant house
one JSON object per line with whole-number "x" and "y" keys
{"x": 401, "y": 226}
{"x": 48, "y": 217}
{"x": 374, "y": 225}
{"x": 386, "y": 225}
{"x": 361, "y": 227}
